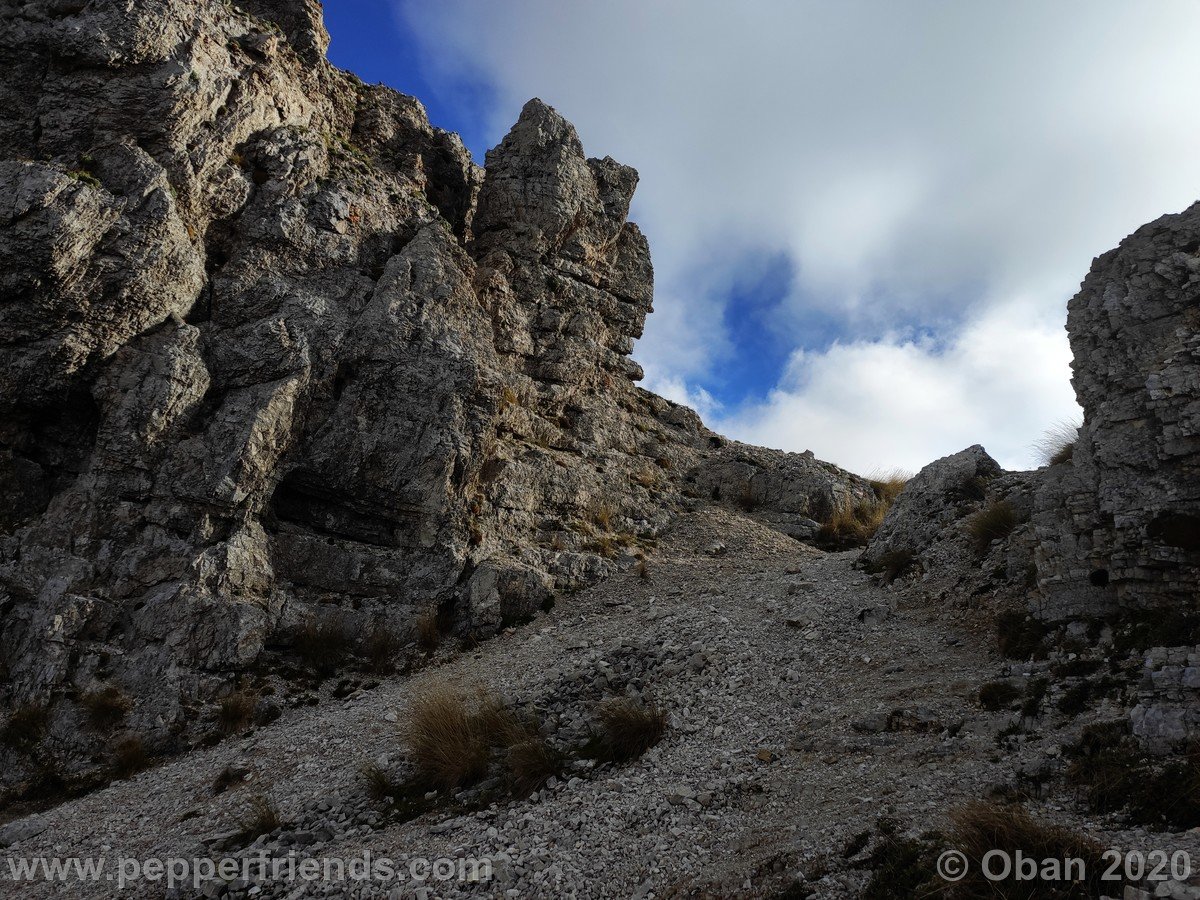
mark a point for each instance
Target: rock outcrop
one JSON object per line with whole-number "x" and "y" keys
{"x": 1118, "y": 525}
{"x": 1103, "y": 543}
{"x": 1113, "y": 525}
{"x": 276, "y": 356}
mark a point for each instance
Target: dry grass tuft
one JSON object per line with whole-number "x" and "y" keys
{"x": 26, "y": 725}
{"x": 429, "y": 634}
{"x": 647, "y": 478}
{"x": 643, "y": 569}
{"x": 979, "y": 827}
{"x": 380, "y": 648}
{"x": 129, "y": 756}
{"x": 380, "y": 783}
{"x": 509, "y": 397}
{"x": 1019, "y": 635}
{"x": 450, "y": 738}
{"x": 323, "y": 647}
{"x": 628, "y": 728}
{"x": 998, "y": 695}
{"x": 602, "y": 515}
{"x": 994, "y": 522}
{"x": 888, "y": 485}
{"x": 1057, "y": 445}
{"x": 1118, "y": 775}
{"x": 261, "y": 818}
{"x": 531, "y": 762}
{"x": 236, "y": 711}
{"x": 106, "y": 708}
{"x": 853, "y": 525}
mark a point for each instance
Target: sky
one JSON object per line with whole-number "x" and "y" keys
{"x": 866, "y": 218}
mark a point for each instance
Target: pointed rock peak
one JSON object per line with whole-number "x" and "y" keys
{"x": 540, "y": 126}
{"x": 539, "y": 112}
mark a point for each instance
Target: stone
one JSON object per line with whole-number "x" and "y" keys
{"x": 21, "y": 830}
{"x": 935, "y": 500}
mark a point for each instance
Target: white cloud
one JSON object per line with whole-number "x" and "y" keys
{"x": 878, "y": 405}
{"x": 676, "y": 389}
{"x": 929, "y": 163}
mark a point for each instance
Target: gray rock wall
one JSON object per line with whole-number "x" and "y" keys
{"x": 1119, "y": 525}
{"x": 275, "y": 352}
{"x": 1115, "y": 528}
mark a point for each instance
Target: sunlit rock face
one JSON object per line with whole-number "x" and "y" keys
{"x": 274, "y": 352}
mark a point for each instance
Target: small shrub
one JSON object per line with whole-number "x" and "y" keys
{"x": 628, "y": 728}
{"x": 888, "y": 485}
{"x": 129, "y": 756}
{"x": 904, "y": 867}
{"x": 1076, "y": 667}
{"x": 106, "y": 708}
{"x": 1019, "y": 636}
{"x": 1075, "y": 699}
{"x": 449, "y": 741}
{"x": 994, "y": 522}
{"x": 26, "y": 726}
{"x": 261, "y": 818}
{"x": 1117, "y": 774}
{"x": 998, "y": 695}
{"x": 429, "y": 635}
{"x": 1035, "y": 693}
{"x": 1155, "y": 627}
{"x": 236, "y": 711}
{"x": 85, "y": 177}
{"x": 980, "y": 827}
{"x": 380, "y": 649}
{"x": 852, "y": 525}
{"x": 322, "y": 647}
{"x": 1057, "y": 445}
{"x": 509, "y": 397}
{"x": 531, "y": 762}
{"x": 379, "y": 783}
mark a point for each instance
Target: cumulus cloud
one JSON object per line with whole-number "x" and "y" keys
{"x": 895, "y": 402}
{"x": 940, "y": 175}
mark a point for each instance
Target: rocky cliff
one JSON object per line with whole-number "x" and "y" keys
{"x": 277, "y": 360}
{"x": 1112, "y": 522}
{"x": 1102, "y": 544}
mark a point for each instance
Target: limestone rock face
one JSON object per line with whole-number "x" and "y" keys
{"x": 1115, "y": 528}
{"x": 275, "y": 355}
{"x": 1119, "y": 525}
{"x": 938, "y": 497}
{"x": 792, "y": 492}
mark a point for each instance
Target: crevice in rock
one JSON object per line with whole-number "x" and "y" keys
{"x": 1180, "y": 530}
{"x": 307, "y": 500}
